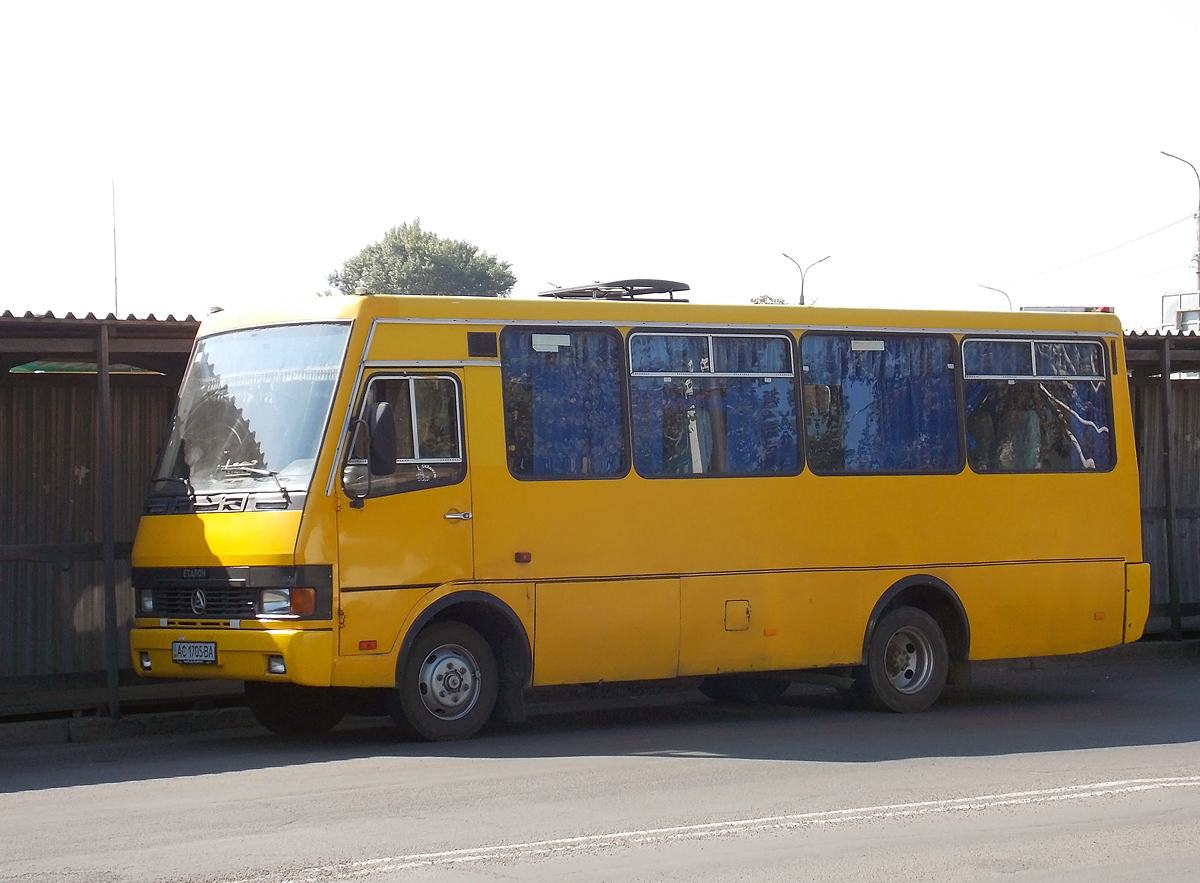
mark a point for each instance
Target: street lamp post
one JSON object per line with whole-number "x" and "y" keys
{"x": 1197, "y": 174}
{"x": 1005, "y": 293}
{"x": 804, "y": 271}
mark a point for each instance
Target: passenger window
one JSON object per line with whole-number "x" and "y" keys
{"x": 713, "y": 404}
{"x": 880, "y": 403}
{"x": 429, "y": 444}
{"x": 564, "y": 402}
{"x": 1047, "y": 411}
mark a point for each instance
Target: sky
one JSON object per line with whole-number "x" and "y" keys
{"x": 928, "y": 149}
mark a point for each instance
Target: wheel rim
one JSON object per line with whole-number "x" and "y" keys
{"x": 908, "y": 660}
{"x": 449, "y": 682}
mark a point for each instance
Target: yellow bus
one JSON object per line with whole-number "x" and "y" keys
{"x": 435, "y": 504}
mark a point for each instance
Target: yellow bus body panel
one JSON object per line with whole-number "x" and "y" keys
{"x": 1042, "y": 609}
{"x": 226, "y": 539}
{"x": 375, "y": 617}
{"x": 624, "y": 630}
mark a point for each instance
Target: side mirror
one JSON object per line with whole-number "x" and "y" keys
{"x": 382, "y": 431}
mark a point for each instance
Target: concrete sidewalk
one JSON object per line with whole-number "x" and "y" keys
{"x": 62, "y": 731}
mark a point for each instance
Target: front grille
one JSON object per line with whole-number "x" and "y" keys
{"x": 224, "y": 602}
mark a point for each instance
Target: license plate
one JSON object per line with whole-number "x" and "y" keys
{"x": 194, "y": 652}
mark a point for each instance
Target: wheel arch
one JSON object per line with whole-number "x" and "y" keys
{"x": 500, "y": 626}
{"x": 935, "y": 597}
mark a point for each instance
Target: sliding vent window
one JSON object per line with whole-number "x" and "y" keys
{"x": 713, "y": 404}
{"x": 880, "y": 404}
{"x": 1037, "y": 406}
{"x": 429, "y": 444}
{"x": 564, "y": 403}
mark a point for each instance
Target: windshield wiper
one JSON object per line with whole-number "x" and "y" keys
{"x": 248, "y": 469}
{"x": 187, "y": 485}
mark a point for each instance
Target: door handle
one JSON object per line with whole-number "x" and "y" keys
{"x": 457, "y": 516}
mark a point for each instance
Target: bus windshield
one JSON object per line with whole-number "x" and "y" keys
{"x": 252, "y": 411}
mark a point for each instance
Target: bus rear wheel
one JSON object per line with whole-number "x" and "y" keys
{"x": 292, "y": 711}
{"x": 907, "y": 662}
{"x": 447, "y": 685}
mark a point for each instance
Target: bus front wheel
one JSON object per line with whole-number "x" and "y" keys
{"x": 292, "y": 711}
{"x": 907, "y": 662}
{"x": 447, "y": 685}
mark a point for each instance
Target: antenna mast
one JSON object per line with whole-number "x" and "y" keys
{"x": 116, "y": 308}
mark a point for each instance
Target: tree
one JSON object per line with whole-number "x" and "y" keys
{"x": 768, "y": 299}
{"x": 410, "y": 260}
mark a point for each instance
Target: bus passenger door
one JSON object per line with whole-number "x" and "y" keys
{"x": 403, "y": 533}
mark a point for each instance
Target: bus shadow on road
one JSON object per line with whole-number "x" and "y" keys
{"x": 1002, "y": 713}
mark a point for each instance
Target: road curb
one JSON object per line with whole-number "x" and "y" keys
{"x": 27, "y": 734}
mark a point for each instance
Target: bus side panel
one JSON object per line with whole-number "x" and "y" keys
{"x": 619, "y": 630}
{"x": 765, "y": 621}
{"x": 1042, "y": 609}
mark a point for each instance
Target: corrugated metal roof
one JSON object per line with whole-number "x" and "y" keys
{"x": 92, "y": 317}
{"x": 1160, "y": 333}
{"x": 148, "y": 342}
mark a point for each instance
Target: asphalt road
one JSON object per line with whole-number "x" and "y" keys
{"x": 1064, "y": 774}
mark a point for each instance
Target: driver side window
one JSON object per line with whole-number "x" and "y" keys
{"x": 426, "y": 413}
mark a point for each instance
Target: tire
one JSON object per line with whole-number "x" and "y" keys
{"x": 451, "y": 655}
{"x": 743, "y": 689}
{"x": 294, "y": 712}
{"x": 907, "y": 662}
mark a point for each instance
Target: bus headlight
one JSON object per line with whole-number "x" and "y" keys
{"x": 287, "y": 602}
{"x": 146, "y": 601}
{"x": 275, "y": 602}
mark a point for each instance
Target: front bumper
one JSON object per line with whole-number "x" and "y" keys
{"x": 241, "y": 654}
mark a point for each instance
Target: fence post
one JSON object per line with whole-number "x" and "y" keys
{"x": 1171, "y": 523}
{"x": 104, "y": 437}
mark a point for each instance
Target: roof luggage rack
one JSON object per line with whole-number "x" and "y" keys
{"x": 624, "y": 289}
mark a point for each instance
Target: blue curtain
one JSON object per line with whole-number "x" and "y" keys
{"x": 738, "y": 425}
{"x": 888, "y": 410}
{"x": 761, "y": 425}
{"x": 1073, "y": 419}
{"x": 564, "y": 409}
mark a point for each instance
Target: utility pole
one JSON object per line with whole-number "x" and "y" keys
{"x": 1197, "y": 174}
